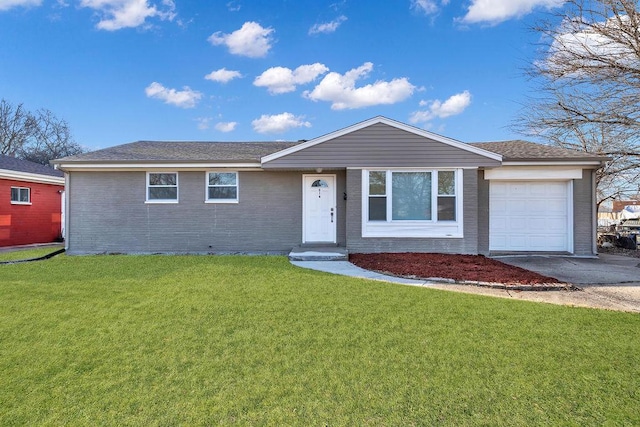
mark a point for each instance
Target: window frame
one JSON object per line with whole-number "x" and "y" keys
{"x": 20, "y": 189}
{"x": 415, "y": 227}
{"x": 207, "y": 186}
{"x": 162, "y": 201}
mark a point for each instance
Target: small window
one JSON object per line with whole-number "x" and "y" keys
{"x": 222, "y": 187}
{"x": 446, "y": 196}
{"x": 20, "y": 195}
{"x": 377, "y": 196}
{"x": 162, "y": 187}
{"x": 319, "y": 183}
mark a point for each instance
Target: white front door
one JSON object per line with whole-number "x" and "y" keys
{"x": 319, "y": 206}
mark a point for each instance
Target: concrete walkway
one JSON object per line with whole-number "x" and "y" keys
{"x": 32, "y": 246}
{"x": 345, "y": 268}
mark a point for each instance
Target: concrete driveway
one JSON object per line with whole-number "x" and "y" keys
{"x": 609, "y": 281}
{"x": 606, "y": 269}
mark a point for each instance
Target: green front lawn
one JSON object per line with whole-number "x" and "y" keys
{"x": 23, "y": 254}
{"x": 217, "y": 340}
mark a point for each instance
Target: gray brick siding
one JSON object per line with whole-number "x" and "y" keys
{"x": 108, "y": 214}
{"x": 483, "y": 214}
{"x": 466, "y": 245}
{"x": 584, "y": 228}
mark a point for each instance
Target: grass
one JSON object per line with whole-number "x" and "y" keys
{"x": 223, "y": 340}
{"x": 22, "y": 254}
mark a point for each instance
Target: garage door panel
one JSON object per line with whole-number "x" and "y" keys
{"x": 529, "y": 216}
{"x": 556, "y": 207}
{"x": 538, "y": 189}
{"x": 516, "y": 207}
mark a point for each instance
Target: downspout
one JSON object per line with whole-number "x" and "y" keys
{"x": 67, "y": 212}
{"x": 594, "y": 215}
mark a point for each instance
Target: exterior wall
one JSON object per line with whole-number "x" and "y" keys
{"x": 584, "y": 206}
{"x": 466, "y": 245}
{"x": 108, "y": 214}
{"x": 38, "y": 222}
{"x": 483, "y": 214}
{"x": 381, "y": 145}
{"x": 341, "y": 206}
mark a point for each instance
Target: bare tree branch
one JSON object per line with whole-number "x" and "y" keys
{"x": 587, "y": 80}
{"x": 38, "y": 137}
{"x": 16, "y": 127}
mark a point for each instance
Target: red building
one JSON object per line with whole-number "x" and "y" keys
{"x": 31, "y": 203}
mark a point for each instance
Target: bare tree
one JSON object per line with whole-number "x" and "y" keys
{"x": 588, "y": 88}
{"x": 38, "y": 137}
{"x": 51, "y": 140}
{"x": 17, "y": 125}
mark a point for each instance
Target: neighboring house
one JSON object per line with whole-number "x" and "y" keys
{"x": 377, "y": 186}
{"x": 619, "y": 205}
{"x": 31, "y": 205}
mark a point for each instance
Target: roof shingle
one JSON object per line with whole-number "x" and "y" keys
{"x": 188, "y": 151}
{"x": 19, "y": 165}
{"x": 164, "y": 151}
{"x": 518, "y": 150}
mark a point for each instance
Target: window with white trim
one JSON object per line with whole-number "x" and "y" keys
{"x": 162, "y": 187}
{"x": 222, "y": 187}
{"x": 412, "y": 203}
{"x": 20, "y": 195}
{"x": 446, "y": 196}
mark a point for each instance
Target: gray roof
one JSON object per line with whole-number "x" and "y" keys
{"x": 518, "y": 150}
{"x": 19, "y": 165}
{"x": 227, "y": 152}
{"x": 164, "y": 151}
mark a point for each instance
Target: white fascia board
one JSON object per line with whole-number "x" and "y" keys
{"x": 389, "y": 122}
{"x": 590, "y": 163}
{"x": 533, "y": 173}
{"x": 155, "y": 166}
{"x": 413, "y": 168}
{"x": 31, "y": 177}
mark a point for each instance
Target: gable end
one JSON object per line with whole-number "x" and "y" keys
{"x": 381, "y": 144}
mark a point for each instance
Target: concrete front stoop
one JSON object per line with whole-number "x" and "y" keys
{"x": 318, "y": 253}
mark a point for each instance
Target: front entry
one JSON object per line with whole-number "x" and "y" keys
{"x": 319, "y": 209}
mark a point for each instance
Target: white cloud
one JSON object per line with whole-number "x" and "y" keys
{"x": 8, "y": 4}
{"x": 226, "y": 126}
{"x": 233, "y": 6}
{"x": 204, "y": 123}
{"x": 428, "y": 7}
{"x": 223, "y": 75}
{"x": 327, "y": 27}
{"x": 118, "y": 14}
{"x": 341, "y": 90}
{"x": 579, "y": 47}
{"x": 278, "y": 123}
{"x": 496, "y": 11}
{"x": 250, "y": 40}
{"x": 185, "y": 98}
{"x": 282, "y": 80}
{"x": 455, "y": 105}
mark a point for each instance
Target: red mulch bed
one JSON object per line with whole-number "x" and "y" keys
{"x": 475, "y": 268}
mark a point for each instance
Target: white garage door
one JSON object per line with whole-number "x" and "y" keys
{"x": 530, "y": 216}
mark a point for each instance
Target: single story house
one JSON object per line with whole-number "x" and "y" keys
{"x": 376, "y": 186}
{"x": 31, "y": 206}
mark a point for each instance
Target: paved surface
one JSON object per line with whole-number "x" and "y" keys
{"x": 609, "y": 282}
{"x": 606, "y": 269}
{"x": 345, "y": 268}
{"x": 33, "y": 246}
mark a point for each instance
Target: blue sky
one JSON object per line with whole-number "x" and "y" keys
{"x": 240, "y": 70}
